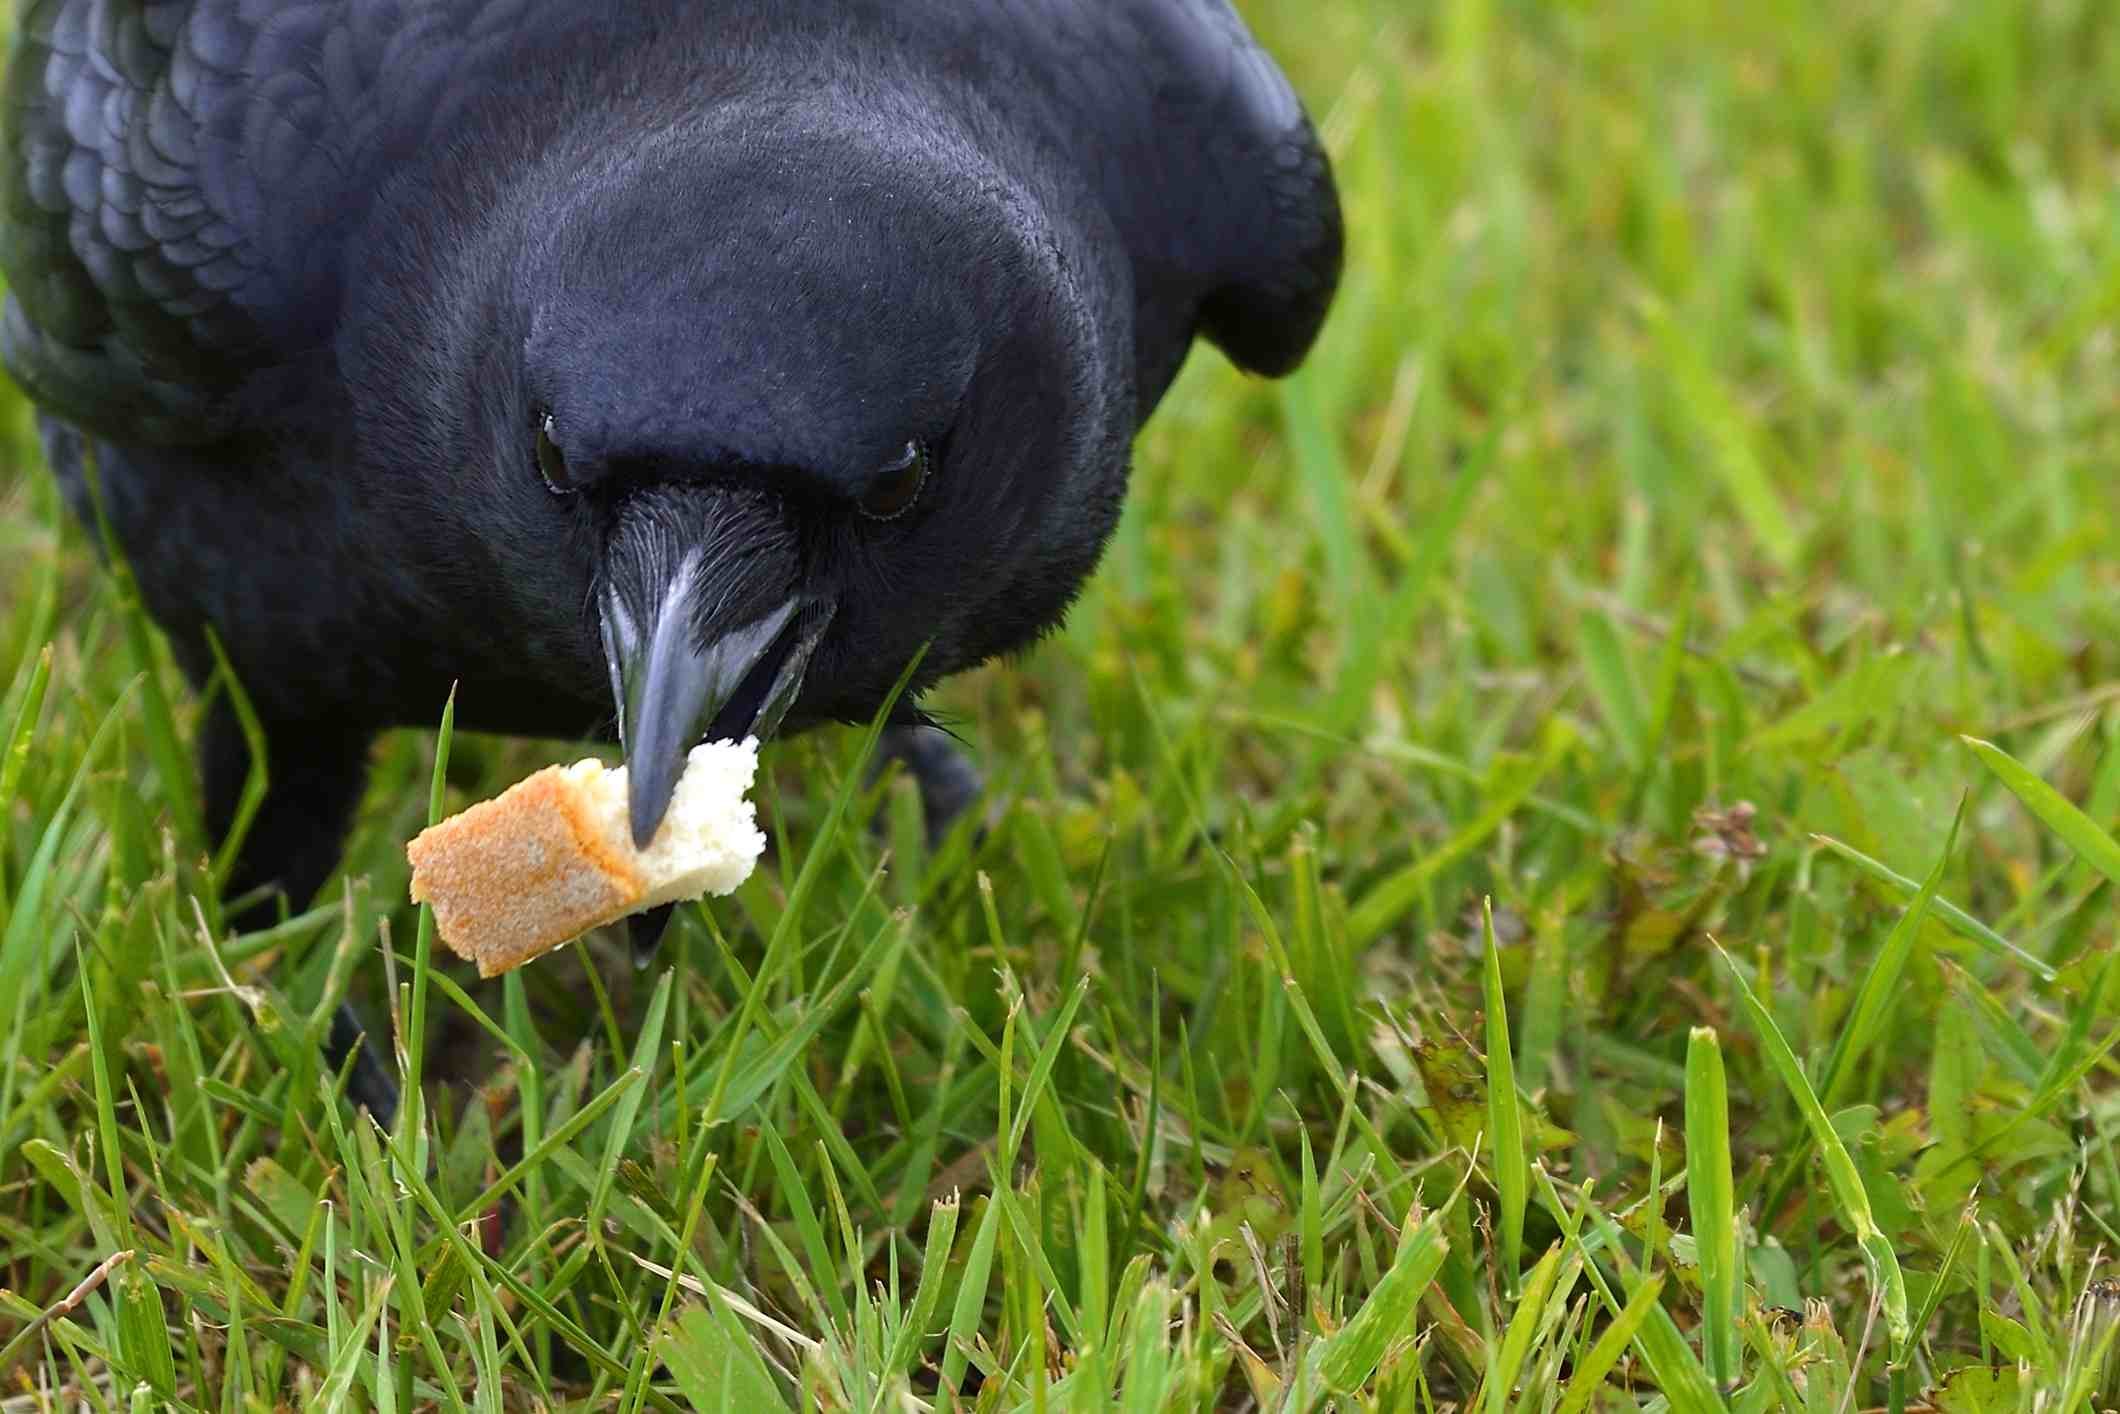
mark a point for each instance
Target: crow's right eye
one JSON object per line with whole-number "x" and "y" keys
{"x": 551, "y": 462}
{"x": 898, "y": 485}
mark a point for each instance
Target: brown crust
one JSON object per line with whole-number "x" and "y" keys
{"x": 514, "y": 877}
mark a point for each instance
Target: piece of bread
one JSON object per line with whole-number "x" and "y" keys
{"x": 552, "y": 857}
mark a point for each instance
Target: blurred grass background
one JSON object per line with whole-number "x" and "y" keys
{"x": 1715, "y": 430}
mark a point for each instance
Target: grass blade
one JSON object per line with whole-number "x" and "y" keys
{"x": 412, "y": 1109}
{"x": 1585, "y": 1380}
{"x": 1849, "y": 1195}
{"x": 1880, "y": 990}
{"x": 2077, "y": 830}
{"x": 1960, "y": 921}
{"x": 1505, "y": 1118}
{"x": 1345, "y": 1360}
{"x": 1711, "y": 1199}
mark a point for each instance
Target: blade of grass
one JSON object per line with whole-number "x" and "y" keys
{"x": 1588, "y": 1376}
{"x": 2077, "y": 830}
{"x": 412, "y": 1115}
{"x": 1508, "y": 1362}
{"x": 646, "y": 1047}
{"x": 1849, "y": 1195}
{"x": 1712, "y": 1202}
{"x": 257, "y": 779}
{"x": 1880, "y": 990}
{"x": 971, "y": 1298}
{"x": 1345, "y": 1360}
{"x": 1961, "y": 922}
{"x": 1505, "y": 1119}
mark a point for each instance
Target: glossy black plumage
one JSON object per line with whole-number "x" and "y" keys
{"x": 311, "y": 274}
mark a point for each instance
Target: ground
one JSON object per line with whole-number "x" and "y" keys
{"x": 1711, "y": 454}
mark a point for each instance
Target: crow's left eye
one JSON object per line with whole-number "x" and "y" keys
{"x": 897, "y": 485}
{"x": 551, "y": 462}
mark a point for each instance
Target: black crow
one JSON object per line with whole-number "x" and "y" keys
{"x": 683, "y": 367}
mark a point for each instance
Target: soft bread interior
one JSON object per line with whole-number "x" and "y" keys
{"x": 710, "y": 840}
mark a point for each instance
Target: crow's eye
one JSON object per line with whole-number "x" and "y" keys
{"x": 551, "y": 462}
{"x": 897, "y": 485}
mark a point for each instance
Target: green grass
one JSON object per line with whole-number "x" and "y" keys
{"x": 1694, "y": 535}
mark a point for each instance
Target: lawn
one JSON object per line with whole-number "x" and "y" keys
{"x": 1565, "y": 860}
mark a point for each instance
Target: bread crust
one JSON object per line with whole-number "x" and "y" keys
{"x": 514, "y": 877}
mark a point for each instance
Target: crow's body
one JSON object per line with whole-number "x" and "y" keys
{"x": 327, "y": 284}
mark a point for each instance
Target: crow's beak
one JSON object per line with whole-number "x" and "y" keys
{"x": 675, "y": 690}
{"x": 706, "y": 633}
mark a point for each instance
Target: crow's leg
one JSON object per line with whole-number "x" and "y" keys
{"x": 369, "y": 1085}
{"x": 315, "y": 774}
{"x": 949, "y": 782}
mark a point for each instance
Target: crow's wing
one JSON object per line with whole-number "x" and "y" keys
{"x": 1204, "y": 156}
{"x": 176, "y": 181}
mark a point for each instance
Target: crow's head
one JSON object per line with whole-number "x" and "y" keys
{"x": 783, "y": 405}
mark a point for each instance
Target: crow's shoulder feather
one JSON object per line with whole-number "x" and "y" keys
{"x": 1204, "y": 156}
{"x": 178, "y": 180}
